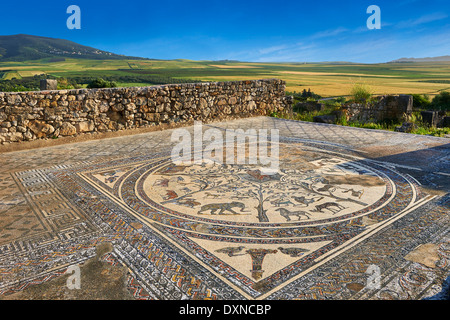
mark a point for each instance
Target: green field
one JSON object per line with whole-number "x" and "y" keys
{"x": 324, "y": 79}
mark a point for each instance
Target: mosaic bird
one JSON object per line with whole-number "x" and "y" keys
{"x": 293, "y": 252}
{"x": 170, "y": 194}
{"x": 161, "y": 183}
{"x": 231, "y": 251}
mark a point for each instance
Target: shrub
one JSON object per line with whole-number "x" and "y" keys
{"x": 100, "y": 83}
{"x": 436, "y": 132}
{"x": 441, "y": 101}
{"x": 415, "y": 117}
{"x": 421, "y": 101}
{"x": 361, "y": 92}
{"x": 342, "y": 120}
{"x": 340, "y": 100}
{"x": 64, "y": 83}
{"x": 305, "y": 95}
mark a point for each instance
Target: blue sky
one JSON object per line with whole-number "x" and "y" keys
{"x": 245, "y": 30}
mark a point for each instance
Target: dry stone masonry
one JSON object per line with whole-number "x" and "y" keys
{"x": 26, "y": 116}
{"x": 389, "y": 107}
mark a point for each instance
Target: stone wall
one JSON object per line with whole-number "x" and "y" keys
{"x": 382, "y": 108}
{"x": 308, "y": 106}
{"x": 26, "y": 116}
{"x": 434, "y": 118}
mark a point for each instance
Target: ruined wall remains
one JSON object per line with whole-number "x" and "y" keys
{"x": 26, "y": 116}
{"x": 388, "y": 107}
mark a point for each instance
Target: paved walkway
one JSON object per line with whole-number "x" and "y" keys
{"x": 350, "y": 214}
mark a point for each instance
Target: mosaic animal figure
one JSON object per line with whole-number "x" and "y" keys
{"x": 191, "y": 203}
{"x": 327, "y": 188}
{"x": 111, "y": 179}
{"x": 331, "y": 206}
{"x": 111, "y": 176}
{"x": 293, "y": 252}
{"x": 304, "y": 201}
{"x": 161, "y": 183}
{"x": 231, "y": 251}
{"x": 212, "y": 195}
{"x": 222, "y": 207}
{"x": 170, "y": 195}
{"x": 280, "y": 202}
{"x": 285, "y": 213}
{"x": 355, "y": 193}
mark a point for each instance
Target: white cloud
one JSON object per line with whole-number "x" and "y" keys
{"x": 272, "y": 49}
{"x": 278, "y": 53}
{"x": 329, "y": 33}
{"x": 422, "y": 20}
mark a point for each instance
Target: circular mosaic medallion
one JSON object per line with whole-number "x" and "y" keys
{"x": 312, "y": 187}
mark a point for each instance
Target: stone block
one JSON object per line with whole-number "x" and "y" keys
{"x": 153, "y": 117}
{"x": 48, "y": 84}
{"x": 328, "y": 118}
{"x": 21, "y": 129}
{"x": 405, "y": 103}
{"x": 446, "y": 122}
{"x": 85, "y": 126}
{"x": 430, "y": 118}
{"x": 67, "y": 129}
{"x": 406, "y": 127}
{"x": 28, "y": 136}
{"x": 306, "y": 106}
{"x": 40, "y": 128}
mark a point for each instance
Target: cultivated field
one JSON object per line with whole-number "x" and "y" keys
{"x": 325, "y": 79}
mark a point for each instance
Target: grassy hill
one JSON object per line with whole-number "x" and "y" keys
{"x": 429, "y": 59}
{"x": 26, "y": 59}
{"x": 22, "y": 47}
{"x": 327, "y": 80}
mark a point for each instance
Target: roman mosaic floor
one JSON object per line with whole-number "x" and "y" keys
{"x": 348, "y": 214}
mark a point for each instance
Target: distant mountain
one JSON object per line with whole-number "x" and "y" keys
{"x": 22, "y": 47}
{"x": 429, "y": 59}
